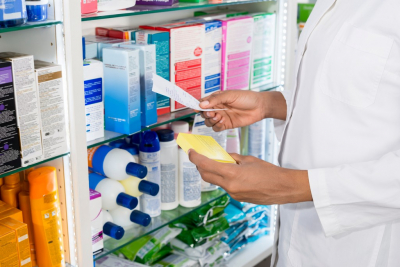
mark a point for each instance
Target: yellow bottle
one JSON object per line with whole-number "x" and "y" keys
{"x": 25, "y": 207}
{"x": 46, "y": 217}
{"x": 10, "y": 189}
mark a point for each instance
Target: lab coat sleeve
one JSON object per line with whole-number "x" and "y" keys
{"x": 280, "y": 124}
{"x": 357, "y": 196}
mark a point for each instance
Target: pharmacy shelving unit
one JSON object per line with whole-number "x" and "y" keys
{"x": 58, "y": 40}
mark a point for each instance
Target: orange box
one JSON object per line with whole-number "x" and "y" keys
{"x": 4, "y": 206}
{"x": 13, "y": 213}
{"x": 21, "y": 236}
{"x": 9, "y": 249}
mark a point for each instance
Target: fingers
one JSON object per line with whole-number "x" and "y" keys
{"x": 211, "y": 178}
{"x": 215, "y": 99}
{"x": 209, "y": 165}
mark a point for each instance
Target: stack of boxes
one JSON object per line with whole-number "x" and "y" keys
{"x": 213, "y": 51}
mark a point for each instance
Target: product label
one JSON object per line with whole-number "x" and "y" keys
{"x": 51, "y": 220}
{"x": 12, "y": 10}
{"x": 24, "y": 246}
{"x": 90, "y": 154}
{"x": 10, "y": 157}
{"x": 151, "y": 205}
{"x": 187, "y": 45}
{"x": 168, "y": 174}
{"x": 52, "y": 112}
{"x": 94, "y": 105}
{"x": 212, "y": 57}
{"x": 191, "y": 182}
{"x": 257, "y": 139}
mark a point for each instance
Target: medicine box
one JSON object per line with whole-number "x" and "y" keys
{"x": 102, "y": 42}
{"x": 8, "y": 243}
{"x": 94, "y": 99}
{"x": 122, "y": 90}
{"x": 90, "y": 49}
{"x": 13, "y": 213}
{"x": 10, "y": 149}
{"x": 147, "y": 65}
{"x": 237, "y": 34}
{"x": 52, "y": 108}
{"x": 88, "y": 6}
{"x": 186, "y": 57}
{"x": 161, "y": 41}
{"x": 22, "y": 240}
{"x": 27, "y": 106}
{"x": 96, "y": 218}
{"x": 220, "y": 14}
{"x": 262, "y": 61}
{"x": 157, "y": 2}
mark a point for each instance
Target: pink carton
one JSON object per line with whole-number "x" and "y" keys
{"x": 88, "y": 6}
{"x": 237, "y": 36}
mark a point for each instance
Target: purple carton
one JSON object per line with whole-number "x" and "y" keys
{"x": 157, "y": 2}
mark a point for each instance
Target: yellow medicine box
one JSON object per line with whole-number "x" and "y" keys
{"x": 7, "y": 210}
{"x": 204, "y": 145}
{"x": 21, "y": 236}
{"x": 8, "y": 248}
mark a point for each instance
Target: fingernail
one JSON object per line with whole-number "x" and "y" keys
{"x": 215, "y": 118}
{"x": 205, "y": 103}
{"x": 208, "y": 114}
{"x": 190, "y": 150}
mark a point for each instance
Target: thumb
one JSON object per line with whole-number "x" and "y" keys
{"x": 213, "y": 100}
{"x": 238, "y": 158}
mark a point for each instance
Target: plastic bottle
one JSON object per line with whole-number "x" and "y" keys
{"x": 169, "y": 169}
{"x": 257, "y": 140}
{"x": 13, "y": 13}
{"x": 136, "y": 187}
{"x": 112, "y": 192}
{"x": 25, "y": 207}
{"x": 10, "y": 189}
{"x": 133, "y": 149}
{"x": 149, "y": 154}
{"x": 46, "y": 217}
{"x": 110, "y": 229}
{"x": 129, "y": 219}
{"x": 233, "y": 141}
{"x": 189, "y": 177}
{"x": 114, "y": 163}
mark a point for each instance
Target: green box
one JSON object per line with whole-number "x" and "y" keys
{"x": 304, "y": 11}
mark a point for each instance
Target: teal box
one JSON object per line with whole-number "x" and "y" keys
{"x": 122, "y": 89}
{"x": 161, "y": 40}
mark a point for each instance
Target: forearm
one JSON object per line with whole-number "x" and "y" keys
{"x": 274, "y": 105}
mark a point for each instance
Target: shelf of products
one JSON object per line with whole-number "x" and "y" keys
{"x": 253, "y": 254}
{"x": 142, "y": 9}
{"x": 157, "y": 223}
{"x": 162, "y": 120}
{"x": 31, "y": 25}
{"x": 30, "y": 166}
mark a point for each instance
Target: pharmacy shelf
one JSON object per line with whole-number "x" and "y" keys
{"x": 31, "y": 25}
{"x": 166, "y": 217}
{"x": 252, "y": 254}
{"x": 110, "y": 136}
{"x": 30, "y": 166}
{"x": 142, "y": 9}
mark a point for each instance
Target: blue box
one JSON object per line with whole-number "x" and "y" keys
{"x": 148, "y": 98}
{"x": 161, "y": 40}
{"x": 122, "y": 90}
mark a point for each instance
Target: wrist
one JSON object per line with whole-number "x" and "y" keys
{"x": 299, "y": 185}
{"x": 274, "y": 105}
{"x": 266, "y": 105}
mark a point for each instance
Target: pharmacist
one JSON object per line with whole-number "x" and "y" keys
{"x": 339, "y": 184}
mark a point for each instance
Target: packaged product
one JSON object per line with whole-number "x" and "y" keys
{"x": 112, "y": 261}
{"x": 214, "y": 254}
{"x": 234, "y": 215}
{"x": 176, "y": 260}
{"x": 144, "y": 249}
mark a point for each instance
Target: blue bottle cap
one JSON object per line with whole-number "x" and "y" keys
{"x": 98, "y": 158}
{"x": 118, "y": 143}
{"x": 149, "y": 188}
{"x": 136, "y": 138}
{"x": 150, "y": 142}
{"x": 165, "y": 135}
{"x": 140, "y": 218}
{"x": 133, "y": 149}
{"x": 136, "y": 170}
{"x": 113, "y": 230}
{"x": 127, "y": 201}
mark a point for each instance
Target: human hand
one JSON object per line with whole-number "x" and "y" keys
{"x": 253, "y": 180}
{"x": 241, "y": 108}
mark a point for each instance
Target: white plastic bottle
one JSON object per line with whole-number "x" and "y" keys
{"x": 128, "y": 219}
{"x": 169, "y": 169}
{"x": 136, "y": 187}
{"x": 233, "y": 141}
{"x": 149, "y": 155}
{"x": 189, "y": 177}
{"x": 257, "y": 140}
{"x": 110, "y": 229}
{"x": 112, "y": 193}
{"x": 179, "y": 127}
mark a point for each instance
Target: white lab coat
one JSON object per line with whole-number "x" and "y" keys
{"x": 343, "y": 125}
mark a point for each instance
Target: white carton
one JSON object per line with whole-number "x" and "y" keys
{"x": 52, "y": 108}
{"x": 94, "y": 103}
{"x": 27, "y": 103}
{"x": 96, "y": 219}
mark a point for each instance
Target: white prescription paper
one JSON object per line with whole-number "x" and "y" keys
{"x": 166, "y": 88}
